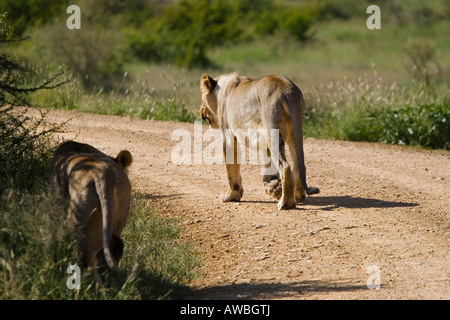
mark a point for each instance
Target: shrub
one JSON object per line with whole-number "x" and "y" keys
{"x": 31, "y": 12}
{"x": 25, "y": 149}
{"x": 416, "y": 112}
{"x": 185, "y": 31}
{"x": 24, "y": 146}
{"x": 298, "y": 23}
{"x": 94, "y": 54}
{"x": 424, "y": 125}
{"x": 338, "y": 9}
{"x": 36, "y": 244}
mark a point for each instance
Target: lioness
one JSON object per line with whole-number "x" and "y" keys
{"x": 234, "y": 103}
{"x": 99, "y": 193}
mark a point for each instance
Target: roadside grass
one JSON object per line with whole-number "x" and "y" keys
{"x": 37, "y": 247}
{"x": 347, "y": 73}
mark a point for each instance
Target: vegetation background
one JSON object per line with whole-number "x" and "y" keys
{"x": 144, "y": 58}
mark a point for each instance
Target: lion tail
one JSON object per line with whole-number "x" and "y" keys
{"x": 295, "y": 108}
{"x": 105, "y": 191}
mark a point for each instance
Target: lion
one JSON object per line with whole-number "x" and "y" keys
{"x": 233, "y": 103}
{"x": 98, "y": 192}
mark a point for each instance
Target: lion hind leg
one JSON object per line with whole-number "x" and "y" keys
{"x": 300, "y": 193}
{"x": 272, "y": 186}
{"x": 287, "y": 200}
{"x": 88, "y": 260}
{"x": 271, "y": 180}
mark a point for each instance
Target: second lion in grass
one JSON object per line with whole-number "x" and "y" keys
{"x": 99, "y": 193}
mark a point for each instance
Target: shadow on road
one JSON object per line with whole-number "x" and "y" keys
{"x": 334, "y": 202}
{"x": 274, "y": 290}
{"x": 330, "y": 203}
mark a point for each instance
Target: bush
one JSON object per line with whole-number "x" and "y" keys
{"x": 184, "y": 31}
{"x": 424, "y": 125}
{"x": 36, "y": 243}
{"x": 298, "y": 24}
{"x": 416, "y": 112}
{"x": 37, "y": 246}
{"x": 338, "y": 9}
{"x": 26, "y": 13}
{"x": 187, "y": 29}
{"x": 95, "y": 53}
{"x": 25, "y": 147}
{"x": 25, "y": 150}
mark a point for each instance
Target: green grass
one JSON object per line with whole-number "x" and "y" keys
{"x": 423, "y": 125}
{"x": 153, "y": 242}
{"x": 390, "y": 85}
{"x": 37, "y": 246}
{"x": 339, "y": 54}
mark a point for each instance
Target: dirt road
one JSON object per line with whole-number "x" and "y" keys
{"x": 382, "y": 214}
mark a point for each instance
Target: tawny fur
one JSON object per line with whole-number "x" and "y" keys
{"x": 233, "y": 103}
{"x": 99, "y": 192}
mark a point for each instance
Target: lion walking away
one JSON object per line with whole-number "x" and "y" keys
{"x": 99, "y": 193}
{"x": 235, "y": 104}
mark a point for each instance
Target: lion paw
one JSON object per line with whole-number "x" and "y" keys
{"x": 312, "y": 190}
{"x": 232, "y": 195}
{"x": 300, "y": 196}
{"x": 286, "y": 205}
{"x": 273, "y": 188}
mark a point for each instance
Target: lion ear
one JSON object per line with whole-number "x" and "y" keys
{"x": 207, "y": 83}
{"x": 124, "y": 159}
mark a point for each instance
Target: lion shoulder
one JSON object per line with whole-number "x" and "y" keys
{"x": 74, "y": 162}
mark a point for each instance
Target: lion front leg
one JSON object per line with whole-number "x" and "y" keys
{"x": 235, "y": 189}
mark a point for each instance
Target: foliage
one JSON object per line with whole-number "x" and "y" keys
{"x": 185, "y": 30}
{"x": 171, "y": 111}
{"x": 36, "y": 243}
{"x": 414, "y": 113}
{"x": 37, "y": 247}
{"x": 424, "y": 125}
{"x": 24, "y": 147}
{"x": 31, "y": 12}
{"x": 298, "y": 24}
{"x": 94, "y": 53}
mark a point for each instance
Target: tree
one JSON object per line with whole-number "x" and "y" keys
{"x": 24, "y": 146}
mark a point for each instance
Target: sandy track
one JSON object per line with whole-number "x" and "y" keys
{"x": 380, "y": 205}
